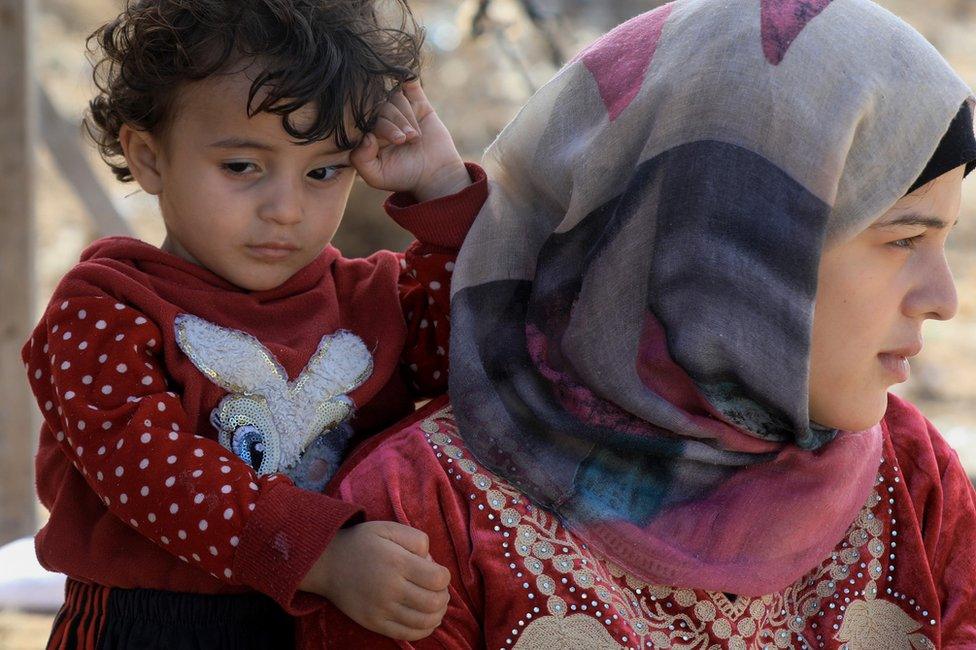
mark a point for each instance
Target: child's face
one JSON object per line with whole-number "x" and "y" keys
{"x": 237, "y": 195}
{"x": 875, "y": 291}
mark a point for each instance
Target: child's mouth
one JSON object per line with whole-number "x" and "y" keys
{"x": 271, "y": 251}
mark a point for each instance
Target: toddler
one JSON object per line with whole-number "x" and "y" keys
{"x": 197, "y": 397}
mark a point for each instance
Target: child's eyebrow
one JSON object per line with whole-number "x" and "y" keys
{"x": 240, "y": 143}
{"x": 243, "y": 143}
{"x": 914, "y": 220}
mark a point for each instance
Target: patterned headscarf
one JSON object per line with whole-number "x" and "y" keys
{"x": 632, "y": 309}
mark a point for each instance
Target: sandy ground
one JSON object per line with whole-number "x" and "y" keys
{"x": 19, "y": 631}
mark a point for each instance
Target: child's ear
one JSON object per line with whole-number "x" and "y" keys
{"x": 141, "y": 151}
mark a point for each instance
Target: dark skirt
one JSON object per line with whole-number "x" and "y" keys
{"x": 94, "y": 617}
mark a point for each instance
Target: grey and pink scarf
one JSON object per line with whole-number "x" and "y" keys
{"x": 632, "y": 309}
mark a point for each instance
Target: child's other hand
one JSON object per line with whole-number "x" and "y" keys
{"x": 380, "y": 575}
{"x": 410, "y": 149}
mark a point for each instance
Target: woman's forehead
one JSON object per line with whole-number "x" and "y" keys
{"x": 934, "y": 205}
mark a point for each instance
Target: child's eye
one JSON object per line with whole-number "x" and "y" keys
{"x": 239, "y": 168}
{"x": 326, "y": 173}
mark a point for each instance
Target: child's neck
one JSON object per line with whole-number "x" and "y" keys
{"x": 170, "y": 245}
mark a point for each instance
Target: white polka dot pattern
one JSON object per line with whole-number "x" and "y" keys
{"x": 177, "y": 489}
{"x": 425, "y": 295}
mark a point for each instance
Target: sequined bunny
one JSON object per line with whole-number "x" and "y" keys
{"x": 293, "y": 427}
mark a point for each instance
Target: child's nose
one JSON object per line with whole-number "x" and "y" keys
{"x": 282, "y": 204}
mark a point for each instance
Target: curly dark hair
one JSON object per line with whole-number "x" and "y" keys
{"x": 334, "y": 55}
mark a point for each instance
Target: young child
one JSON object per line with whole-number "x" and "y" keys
{"x": 197, "y": 397}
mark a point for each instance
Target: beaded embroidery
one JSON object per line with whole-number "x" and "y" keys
{"x": 277, "y": 419}
{"x": 839, "y": 601}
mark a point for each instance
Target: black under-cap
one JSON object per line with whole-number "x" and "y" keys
{"x": 958, "y": 147}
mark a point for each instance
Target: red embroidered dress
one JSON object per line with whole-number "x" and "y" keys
{"x": 140, "y": 491}
{"x": 904, "y": 575}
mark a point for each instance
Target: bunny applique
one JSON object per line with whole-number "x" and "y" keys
{"x": 298, "y": 428}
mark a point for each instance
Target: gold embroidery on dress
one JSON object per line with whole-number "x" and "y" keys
{"x": 880, "y": 625}
{"x": 557, "y": 633}
{"x": 546, "y": 555}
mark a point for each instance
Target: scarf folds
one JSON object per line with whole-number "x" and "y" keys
{"x": 632, "y": 309}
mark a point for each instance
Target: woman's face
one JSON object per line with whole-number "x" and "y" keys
{"x": 875, "y": 291}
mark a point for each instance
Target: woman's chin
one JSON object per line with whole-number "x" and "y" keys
{"x": 852, "y": 415}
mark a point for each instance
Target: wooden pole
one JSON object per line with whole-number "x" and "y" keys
{"x": 64, "y": 140}
{"x": 17, "y": 108}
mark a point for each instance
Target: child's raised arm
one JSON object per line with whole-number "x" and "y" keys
{"x": 438, "y": 197}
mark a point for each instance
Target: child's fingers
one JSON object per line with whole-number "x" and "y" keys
{"x": 411, "y": 539}
{"x": 396, "y": 630}
{"x": 424, "y": 600}
{"x": 364, "y": 156}
{"x": 414, "y": 620}
{"x": 402, "y": 105}
{"x": 428, "y": 575}
{"x": 393, "y": 125}
{"x": 385, "y": 129}
{"x": 414, "y": 93}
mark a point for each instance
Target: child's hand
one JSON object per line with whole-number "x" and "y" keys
{"x": 410, "y": 149}
{"x": 380, "y": 575}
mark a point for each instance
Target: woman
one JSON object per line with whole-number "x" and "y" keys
{"x": 710, "y": 247}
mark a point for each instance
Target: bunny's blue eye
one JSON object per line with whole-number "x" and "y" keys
{"x": 248, "y": 444}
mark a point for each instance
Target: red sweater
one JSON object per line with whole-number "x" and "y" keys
{"x": 904, "y": 575}
{"x": 140, "y": 492}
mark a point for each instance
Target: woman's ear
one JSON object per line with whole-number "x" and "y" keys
{"x": 141, "y": 151}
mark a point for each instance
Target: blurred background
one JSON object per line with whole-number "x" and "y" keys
{"x": 485, "y": 58}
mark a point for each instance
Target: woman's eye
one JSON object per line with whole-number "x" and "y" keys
{"x": 239, "y": 167}
{"x": 324, "y": 173}
{"x": 908, "y": 242}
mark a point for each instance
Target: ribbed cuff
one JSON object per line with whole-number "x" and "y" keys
{"x": 444, "y": 221}
{"x": 287, "y": 532}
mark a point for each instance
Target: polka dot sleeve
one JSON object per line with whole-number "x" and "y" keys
{"x": 425, "y": 295}
{"x": 101, "y": 387}
{"x": 425, "y": 277}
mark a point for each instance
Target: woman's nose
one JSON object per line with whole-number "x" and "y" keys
{"x": 934, "y": 297}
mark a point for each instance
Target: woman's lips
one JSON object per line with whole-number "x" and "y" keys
{"x": 897, "y": 365}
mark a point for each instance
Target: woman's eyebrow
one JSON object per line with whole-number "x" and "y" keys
{"x": 913, "y": 220}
